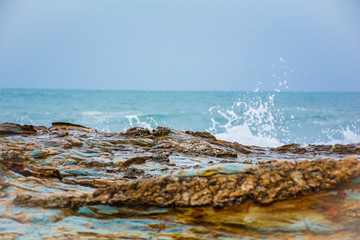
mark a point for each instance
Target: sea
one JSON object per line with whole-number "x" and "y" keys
{"x": 261, "y": 118}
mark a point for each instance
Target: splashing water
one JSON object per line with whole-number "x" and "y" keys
{"x": 349, "y": 134}
{"x": 253, "y": 119}
{"x": 248, "y": 122}
{"x": 134, "y": 121}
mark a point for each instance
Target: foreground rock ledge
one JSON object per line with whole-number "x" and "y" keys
{"x": 264, "y": 185}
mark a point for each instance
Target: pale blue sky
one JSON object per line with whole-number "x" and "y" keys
{"x": 180, "y": 44}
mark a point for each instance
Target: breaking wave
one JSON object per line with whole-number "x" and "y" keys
{"x": 254, "y": 121}
{"x": 349, "y": 134}
{"x": 262, "y": 124}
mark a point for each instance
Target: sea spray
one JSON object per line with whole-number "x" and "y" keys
{"x": 260, "y": 118}
{"x": 149, "y": 122}
{"x": 342, "y": 135}
{"x": 251, "y": 120}
{"x": 254, "y": 119}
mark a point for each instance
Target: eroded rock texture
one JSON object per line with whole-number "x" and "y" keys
{"x": 71, "y": 182}
{"x": 263, "y": 185}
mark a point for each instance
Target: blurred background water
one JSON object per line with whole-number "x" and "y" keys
{"x": 251, "y": 118}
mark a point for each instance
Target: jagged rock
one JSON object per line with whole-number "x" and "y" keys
{"x": 346, "y": 149}
{"x": 3, "y": 184}
{"x": 72, "y": 166}
{"x": 74, "y": 142}
{"x": 135, "y": 160}
{"x": 137, "y": 132}
{"x": 318, "y": 148}
{"x": 238, "y": 147}
{"x": 65, "y": 126}
{"x": 14, "y": 129}
{"x": 161, "y": 131}
{"x": 132, "y": 173}
{"x": 20, "y": 168}
{"x": 262, "y": 162}
{"x": 12, "y": 156}
{"x": 205, "y": 135}
{"x": 247, "y": 161}
{"x": 293, "y": 148}
{"x": 241, "y": 148}
{"x": 161, "y": 158}
{"x": 142, "y": 142}
{"x": 263, "y": 184}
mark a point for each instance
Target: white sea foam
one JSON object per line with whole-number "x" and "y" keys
{"x": 148, "y": 123}
{"x": 102, "y": 120}
{"x": 101, "y": 115}
{"x": 25, "y": 119}
{"x": 254, "y": 120}
{"x": 250, "y": 122}
{"x": 349, "y": 134}
{"x": 257, "y": 121}
{"x": 92, "y": 113}
{"x": 243, "y": 135}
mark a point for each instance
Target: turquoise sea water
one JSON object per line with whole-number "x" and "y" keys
{"x": 251, "y": 118}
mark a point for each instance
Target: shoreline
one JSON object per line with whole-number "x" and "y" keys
{"x": 70, "y": 167}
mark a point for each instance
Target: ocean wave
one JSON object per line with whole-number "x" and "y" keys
{"x": 341, "y": 135}
{"x": 242, "y": 134}
{"x": 250, "y": 120}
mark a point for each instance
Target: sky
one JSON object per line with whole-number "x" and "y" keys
{"x": 222, "y": 45}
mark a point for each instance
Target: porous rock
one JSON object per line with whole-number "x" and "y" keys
{"x": 293, "y": 148}
{"x": 14, "y": 129}
{"x": 137, "y": 131}
{"x": 161, "y": 131}
{"x": 135, "y": 160}
{"x": 65, "y": 126}
{"x": 181, "y": 170}
{"x": 264, "y": 185}
{"x": 205, "y": 135}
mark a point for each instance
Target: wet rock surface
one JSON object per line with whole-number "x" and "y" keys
{"x": 72, "y": 182}
{"x": 13, "y": 129}
{"x": 263, "y": 185}
{"x": 319, "y": 149}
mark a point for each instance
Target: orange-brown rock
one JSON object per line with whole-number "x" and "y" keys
{"x": 135, "y": 160}
{"x": 13, "y": 129}
{"x": 264, "y": 185}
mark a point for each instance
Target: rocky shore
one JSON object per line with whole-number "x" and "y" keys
{"x": 71, "y": 181}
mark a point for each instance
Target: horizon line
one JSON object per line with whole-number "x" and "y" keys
{"x": 180, "y": 90}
